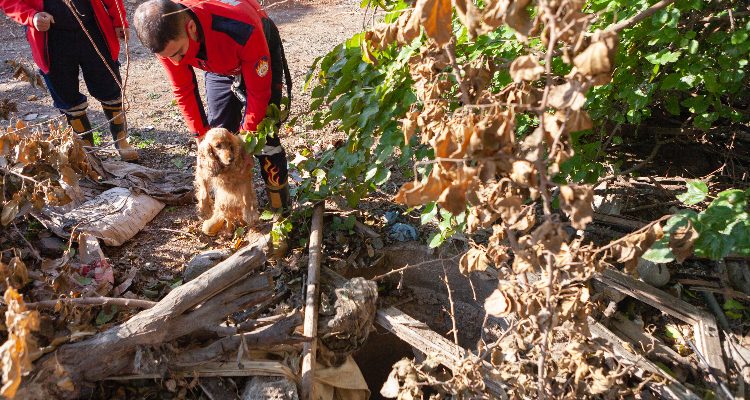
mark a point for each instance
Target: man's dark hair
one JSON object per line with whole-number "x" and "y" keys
{"x": 159, "y": 21}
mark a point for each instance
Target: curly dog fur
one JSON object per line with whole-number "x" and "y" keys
{"x": 225, "y": 168}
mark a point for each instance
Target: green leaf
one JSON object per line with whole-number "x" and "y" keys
{"x": 672, "y": 104}
{"x": 733, "y": 305}
{"x": 696, "y": 193}
{"x": 659, "y": 252}
{"x": 437, "y": 240}
{"x": 663, "y": 57}
{"x": 739, "y": 36}
{"x": 429, "y": 212}
{"x": 106, "y": 314}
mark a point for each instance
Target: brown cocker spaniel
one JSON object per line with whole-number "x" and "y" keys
{"x": 225, "y": 168}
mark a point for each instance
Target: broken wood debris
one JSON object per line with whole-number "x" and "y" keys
{"x": 421, "y": 337}
{"x": 136, "y": 348}
{"x": 672, "y": 390}
{"x": 705, "y": 331}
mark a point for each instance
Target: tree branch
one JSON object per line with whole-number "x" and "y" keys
{"x": 628, "y": 22}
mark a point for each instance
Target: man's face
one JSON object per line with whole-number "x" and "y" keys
{"x": 175, "y": 49}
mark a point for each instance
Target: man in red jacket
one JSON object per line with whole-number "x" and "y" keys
{"x": 56, "y": 31}
{"x": 239, "y": 47}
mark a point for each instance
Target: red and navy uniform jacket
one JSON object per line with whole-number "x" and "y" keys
{"x": 233, "y": 43}
{"x": 109, "y": 14}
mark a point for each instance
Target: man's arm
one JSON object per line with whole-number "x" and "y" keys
{"x": 185, "y": 89}
{"x": 256, "y": 72}
{"x": 19, "y": 11}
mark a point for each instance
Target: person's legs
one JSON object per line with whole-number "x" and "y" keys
{"x": 224, "y": 108}
{"x": 102, "y": 79}
{"x": 62, "y": 82}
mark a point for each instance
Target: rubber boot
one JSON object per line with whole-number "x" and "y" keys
{"x": 274, "y": 170}
{"x": 81, "y": 125}
{"x": 119, "y": 128}
{"x": 275, "y": 175}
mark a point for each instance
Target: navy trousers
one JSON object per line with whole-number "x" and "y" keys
{"x": 71, "y": 51}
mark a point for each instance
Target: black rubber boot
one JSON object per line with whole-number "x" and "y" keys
{"x": 80, "y": 124}
{"x": 274, "y": 170}
{"x": 119, "y": 128}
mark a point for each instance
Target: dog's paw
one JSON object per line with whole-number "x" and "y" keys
{"x": 212, "y": 227}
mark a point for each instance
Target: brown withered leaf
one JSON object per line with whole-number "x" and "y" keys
{"x": 575, "y": 200}
{"x": 435, "y": 16}
{"x": 473, "y": 260}
{"x": 525, "y": 68}
{"x": 523, "y": 173}
{"x": 6, "y": 107}
{"x": 10, "y": 210}
{"x": 16, "y": 273}
{"x": 499, "y": 254}
{"x": 568, "y": 95}
{"x": 15, "y": 353}
{"x": 529, "y": 148}
{"x": 418, "y": 193}
{"x": 409, "y": 125}
{"x": 632, "y": 247}
{"x": 509, "y": 208}
{"x": 519, "y": 19}
{"x": 525, "y": 221}
{"x": 494, "y": 12}
{"x": 578, "y": 121}
{"x": 453, "y": 197}
{"x": 551, "y": 235}
{"x": 499, "y": 304}
{"x": 682, "y": 241}
{"x": 408, "y": 27}
{"x": 382, "y": 35}
{"x": 469, "y": 15}
{"x": 598, "y": 58}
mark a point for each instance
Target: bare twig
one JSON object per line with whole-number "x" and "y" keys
{"x": 636, "y": 167}
{"x": 422, "y": 264}
{"x": 453, "y": 307}
{"x": 32, "y": 250}
{"x": 94, "y": 301}
{"x": 24, "y": 177}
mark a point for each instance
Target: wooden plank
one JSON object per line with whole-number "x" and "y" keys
{"x": 429, "y": 342}
{"x": 671, "y": 390}
{"x": 705, "y": 331}
{"x": 618, "y": 221}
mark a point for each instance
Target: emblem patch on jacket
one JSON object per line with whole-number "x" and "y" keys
{"x": 261, "y": 68}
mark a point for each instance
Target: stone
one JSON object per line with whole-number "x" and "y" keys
{"x": 51, "y": 246}
{"x": 203, "y": 262}
{"x": 656, "y": 275}
{"x": 270, "y": 388}
{"x": 403, "y": 232}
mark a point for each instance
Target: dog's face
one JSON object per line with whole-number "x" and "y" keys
{"x": 219, "y": 149}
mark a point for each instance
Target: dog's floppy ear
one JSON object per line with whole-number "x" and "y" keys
{"x": 207, "y": 158}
